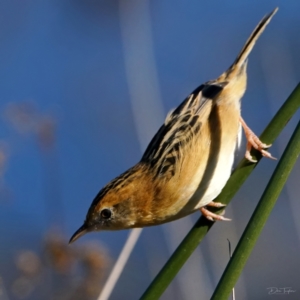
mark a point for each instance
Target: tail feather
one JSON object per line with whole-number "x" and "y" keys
{"x": 242, "y": 57}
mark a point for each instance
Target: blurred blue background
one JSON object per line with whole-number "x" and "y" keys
{"x": 84, "y": 86}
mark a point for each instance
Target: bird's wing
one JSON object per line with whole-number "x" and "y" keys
{"x": 181, "y": 125}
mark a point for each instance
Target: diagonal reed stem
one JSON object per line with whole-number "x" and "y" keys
{"x": 202, "y": 226}
{"x": 259, "y": 218}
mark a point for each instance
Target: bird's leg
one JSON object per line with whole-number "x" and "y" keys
{"x": 212, "y": 216}
{"x": 255, "y": 142}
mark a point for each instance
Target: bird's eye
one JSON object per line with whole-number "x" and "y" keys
{"x": 106, "y": 213}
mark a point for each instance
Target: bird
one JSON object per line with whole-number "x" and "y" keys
{"x": 188, "y": 161}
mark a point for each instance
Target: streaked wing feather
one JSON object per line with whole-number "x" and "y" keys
{"x": 165, "y": 149}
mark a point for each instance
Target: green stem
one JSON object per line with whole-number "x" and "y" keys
{"x": 259, "y": 218}
{"x": 202, "y": 226}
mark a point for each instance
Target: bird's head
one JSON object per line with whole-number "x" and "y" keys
{"x": 119, "y": 205}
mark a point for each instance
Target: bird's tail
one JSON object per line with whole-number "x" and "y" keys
{"x": 242, "y": 57}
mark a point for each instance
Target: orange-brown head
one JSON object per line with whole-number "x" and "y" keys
{"x": 121, "y": 204}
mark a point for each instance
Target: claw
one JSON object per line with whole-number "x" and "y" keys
{"x": 267, "y": 154}
{"x": 255, "y": 142}
{"x": 209, "y": 218}
{"x": 249, "y": 157}
{"x": 215, "y": 204}
{"x": 212, "y": 216}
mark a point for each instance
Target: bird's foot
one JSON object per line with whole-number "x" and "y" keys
{"x": 255, "y": 142}
{"x": 212, "y": 216}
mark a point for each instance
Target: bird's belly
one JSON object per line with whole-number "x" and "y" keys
{"x": 207, "y": 185}
{"x": 217, "y": 182}
{"x": 221, "y": 174}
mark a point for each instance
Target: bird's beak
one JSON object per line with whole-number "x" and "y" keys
{"x": 80, "y": 232}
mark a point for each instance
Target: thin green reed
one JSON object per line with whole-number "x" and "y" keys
{"x": 259, "y": 218}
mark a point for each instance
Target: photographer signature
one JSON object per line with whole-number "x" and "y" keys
{"x": 280, "y": 291}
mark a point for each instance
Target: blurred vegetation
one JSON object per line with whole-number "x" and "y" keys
{"x": 57, "y": 271}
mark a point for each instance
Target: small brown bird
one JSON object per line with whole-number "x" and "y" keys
{"x": 188, "y": 161}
